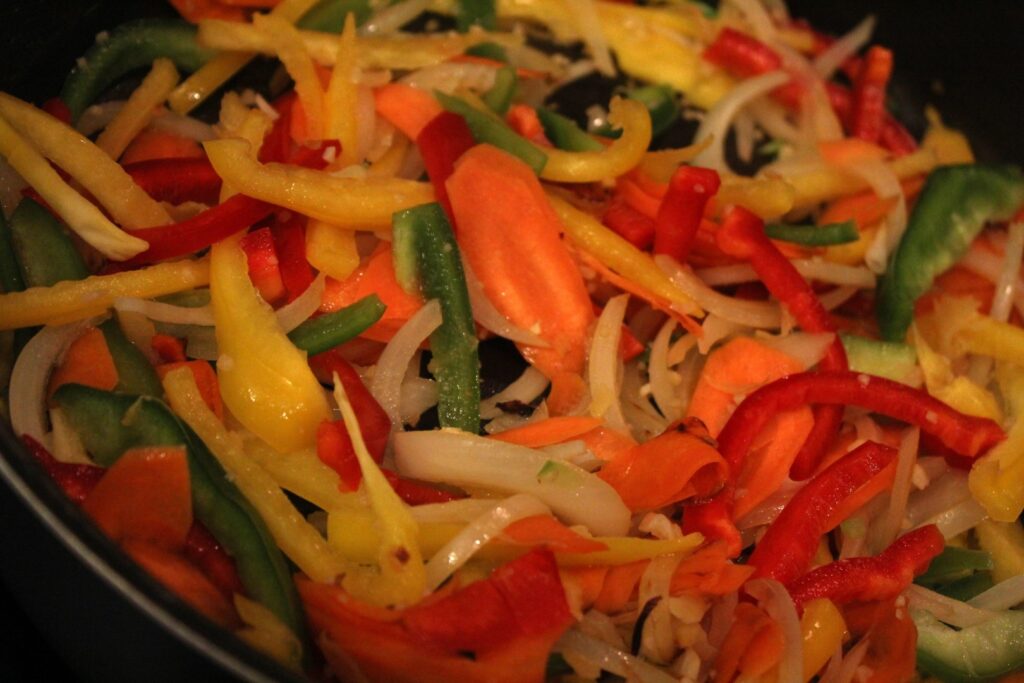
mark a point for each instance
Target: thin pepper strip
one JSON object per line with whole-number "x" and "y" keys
{"x": 785, "y": 551}
{"x": 682, "y": 208}
{"x": 865, "y": 579}
{"x": 177, "y": 180}
{"x": 867, "y": 116}
{"x": 218, "y": 222}
{"x": 742, "y": 235}
{"x": 441, "y": 143}
{"x": 425, "y": 231}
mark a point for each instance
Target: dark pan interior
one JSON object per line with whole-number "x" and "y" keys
{"x": 963, "y": 57}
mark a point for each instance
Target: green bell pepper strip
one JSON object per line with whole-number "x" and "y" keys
{"x": 499, "y": 97}
{"x": 328, "y": 16}
{"x": 661, "y": 102}
{"x": 983, "y": 652}
{"x": 954, "y": 564}
{"x": 469, "y": 13}
{"x": 892, "y": 360}
{"x": 135, "y": 374}
{"x": 44, "y": 250}
{"x": 488, "y": 50}
{"x": 324, "y": 332}
{"x": 110, "y": 423}
{"x": 422, "y": 235}
{"x": 565, "y": 134}
{"x": 954, "y": 206}
{"x": 814, "y": 235}
{"x": 130, "y": 46}
{"x": 10, "y": 271}
{"x": 490, "y": 129}
{"x": 968, "y": 587}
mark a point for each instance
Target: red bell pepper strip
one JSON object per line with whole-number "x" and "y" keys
{"x": 866, "y": 579}
{"x": 76, "y": 481}
{"x": 314, "y": 157}
{"x": 785, "y": 551}
{"x": 868, "y": 112}
{"x": 169, "y": 349}
{"x": 745, "y": 56}
{"x": 682, "y": 208}
{"x": 177, "y": 180}
{"x": 629, "y": 224}
{"x": 893, "y": 136}
{"x": 264, "y": 266}
{"x": 178, "y": 239}
{"x": 966, "y": 435}
{"x": 290, "y": 242}
{"x": 499, "y": 630}
{"x": 277, "y": 145}
{"x": 441, "y": 143}
{"x": 414, "y": 493}
{"x": 56, "y": 108}
{"x": 713, "y": 519}
{"x": 742, "y": 236}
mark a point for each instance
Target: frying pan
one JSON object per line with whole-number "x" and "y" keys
{"x": 83, "y": 611}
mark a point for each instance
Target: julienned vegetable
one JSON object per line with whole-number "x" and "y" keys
{"x": 521, "y": 422}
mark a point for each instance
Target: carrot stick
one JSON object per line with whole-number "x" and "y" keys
{"x": 607, "y": 444}
{"x": 749, "y": 620}
{"x": 511, "y": 237}
{"x": 771, "y": 457}
{"x": 587, "y": 580}
{"x": 619, "y": 586}
{"x": 407, "y": 108}
{"x": 550, "y": 431}
{"x": 87, "y": 361}
{"x": 850, "y": 151}
{"x": 545, "y": 530}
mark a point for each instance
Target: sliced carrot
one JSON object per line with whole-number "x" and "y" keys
{"x": 850, "y": 151}
{"x": 771, "y": 457}
{"x": 764, "y": 651}
{"x": 523, "y": 119}
{"x": 145, "y": 496}
{"x": 511, "y": 238}
{"x": 587, "y": 581}
{"x": 549, "y": 431}
{"x": 153, "y": 144}
{"x": 606, "y": 443}
{"x": 634, "y": 195}
{"x": 709, "y": 571}
{"x": 407, "y": 108}
{"x": 545, "y": 530}
{"x": 87, "y": 361}
{"x": 748, "y": 621}
{"x": 376, "y": 276}
{"x": 206, "y": 380}
{"x": 185, "y": 580}
{"x": 671, "y": 467}
{"x": 866, "y": 208}
{"x": 619, "y": 586}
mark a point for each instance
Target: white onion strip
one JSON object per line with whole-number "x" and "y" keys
{"x": 1009, "y": 274}
{"x": 166, "y": 313}
{"x": 610, "y": 659}
{"x": 985, "y": 263}
{"x": 886, "y": 185}
{"x": 306, "y": 304}
{"x": 717, "y": 121}
{"x": 393, "y": 17}
{"x": 455, "y": 511}
{"x": 888, "y": 527}
{"x": 30, "y": 375}
{"x": 584, "y": 12}
{"x": 949, "y": 610}
{"x": 604, "y": 365}
{"x": 454, "y": 457}
{"x": 386, "y": 386}
{"x": 527, "y": 387}
{"x": 812, "y": 269}
{"x": 1002, "y": 596}
{"x": 490, "y": 318}
{"x": 847, "y": 46}
{"x": 775, "y": 600}
{"x": 663, "y": 389}
{"x": 457, "y": 551}
{"x": 758, "y": 314}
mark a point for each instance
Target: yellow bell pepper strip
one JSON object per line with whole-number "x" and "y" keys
{"x": 287, "y": 45}
{"x": 987, "y": 337}
{"x": 769, "y": 198}
{"x": 79, "y": 299}
{"x": 403, "y": 51}
{"x": 1004, "y": 541}
{"x": 303, "y": 473}
{"x": 140, "y": 108}
{"x": 268, "y": 634}
{"x": 662, "y": 163}
{"x": 350, "y": 530}
{"x": 265, "y": 381}
{"x": 958, "y": 391}
{"x": 997, "y": 479}
{"x": 811, "y": 189}
{"x": 951, "y": 146}
{"x": 296, "y": 538}
{"x": 81, "y": 215}
{"x": 352, "y": 203}
{"x": 219, "y": 70}
{"x": 100, "y": 175}
{"x": 587, "y": 233}
{"x": 823, "y": 631}
{"x": 401, "y": 580}
{"x": 618, "y": 158}
{"x": 341, "y": 123}
{"x": 331, "y": 249}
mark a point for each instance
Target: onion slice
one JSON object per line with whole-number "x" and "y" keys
{"x": 454, "y": 457}
{"x": 847, "y": 46}
{"x": 776, "y": 601}
{"x": 1002, "y": 596}
{"x": 526, "y": 388}
{"x": 386, "y": 386}
{"x": 457, "y": 551}
{"x": 490, "y": 318}
{"x": 306, "y": 304}
{"x": 604, "y": 365}
{"x": 610, "y": 658}
{"x": 758, "y": 314}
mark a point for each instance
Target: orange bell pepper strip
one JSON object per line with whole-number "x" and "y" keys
{"x": 87, "y": 361}
{"x": 145, "y": 496}
{"x": 511, "y": 238}
{"x": 550, "y": 431}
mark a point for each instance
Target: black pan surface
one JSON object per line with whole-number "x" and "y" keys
{"x": 68, "y": 616}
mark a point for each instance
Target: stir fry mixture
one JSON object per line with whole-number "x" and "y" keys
{"x": 524, "y": 340}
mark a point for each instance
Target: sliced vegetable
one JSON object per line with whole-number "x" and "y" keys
{"x": 489, "y": 129}
{"x": 814, "y": 235}
{"x": 324, "y": 332}
{"x": 46, "y": 255}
